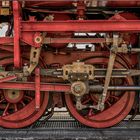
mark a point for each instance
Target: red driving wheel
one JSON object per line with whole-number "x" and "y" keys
{"x": 117, "y": 105}
{"x": 17, "y": 108}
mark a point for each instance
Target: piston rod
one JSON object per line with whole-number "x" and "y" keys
{"x": 99, "y": 88}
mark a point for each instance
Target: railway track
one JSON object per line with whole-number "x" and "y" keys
{"x": 64, "y": 127}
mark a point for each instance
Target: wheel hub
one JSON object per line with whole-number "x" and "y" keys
{"x": 78, "y": 88}
{"x": 13, "y": 96}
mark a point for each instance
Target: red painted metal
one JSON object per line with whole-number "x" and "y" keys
{"x": 65, "y": 58}
{"x": 13, "y": 100}
{"x": 23, "y": 116}
{"x": 20, "y": 111}
{"x": 59, "y": 3}
{"x": 56, "y": 27}
{"x": 79, "y": 26}
{"x": 4, "y": 62}
{"x": 58, "y": 17}
{"x": 8, "y": 78}
{"x": 7, "y": 48}
{"x": 113, "y": 113}
{"x": 107, "y": 118}
{"x": 37, "y": 88}
{"x": 52, "y": 3}
{"x": 17, "y": 18}
{"x": 6, "y": 40}
{"x": 49, "y": 40}
{"x": 123, "y": 3}
{"x": 31, "y": 86}
{"x": 81, "y": 8}
{"x": 29, "y": 38}
{"x": 129, "y": 38}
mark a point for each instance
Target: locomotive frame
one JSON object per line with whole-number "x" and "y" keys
{"x": 72, "y": 76}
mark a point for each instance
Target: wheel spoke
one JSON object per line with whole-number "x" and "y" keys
{"x": 2, "y": 100}
{"x": 86, "y": 101}
{"x": 6, "y": 110}
{"x": 114, "y": 97}
{"x": 90, "y": 113}
{"x": 23, "y": 104}
{"x": 15, "y": 107}
{"x": 108, "y": 103}
{"x": 28, "y": 97}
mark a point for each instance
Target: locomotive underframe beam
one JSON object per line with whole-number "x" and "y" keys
{"x": 17, "y": 33}
{"x": 79, "y": 26}
{"x": 6, "y": 40}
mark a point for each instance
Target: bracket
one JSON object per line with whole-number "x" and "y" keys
{"x": 34, "y": 59}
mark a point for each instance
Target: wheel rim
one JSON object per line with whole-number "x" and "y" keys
{"x": 17, "y": 108}
{"x": 114, "y": 112}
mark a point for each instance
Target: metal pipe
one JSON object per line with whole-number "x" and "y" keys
{"x": 79, "y": 26}
{"x": 125, "y": 88}
{"x": 74, "y": 40}
{"x": 99, "y": 88}
{"x": 135, "y": 49}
